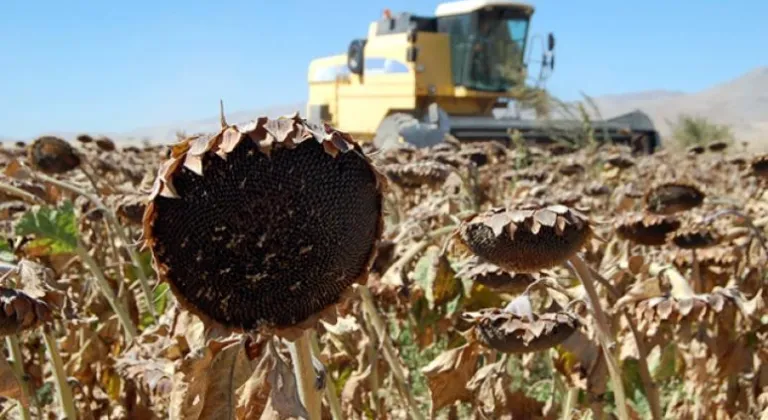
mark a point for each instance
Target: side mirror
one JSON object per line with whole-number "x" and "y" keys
{"x": 551, "y": 41}
{"x": 355, "y": 56}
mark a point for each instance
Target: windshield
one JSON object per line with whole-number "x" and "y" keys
{"x": 487, "y": 48}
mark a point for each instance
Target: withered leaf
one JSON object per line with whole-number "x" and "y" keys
{"x": 284, "y": 399}
{"x": 252, "y": 396}
{"x": 38, "y": 281}
{"x": 229, "y": 370}
{"x": 580, "y": 361}
{"x": 355, "y": 388}
{"x": 492, "y": 389}
{"x": 645, "y": 289}
{"x": 448, "y": 375}
{"x": 445, "y": 285}
{"x": 10, "y": 387}
{"x": 197, "y": 377}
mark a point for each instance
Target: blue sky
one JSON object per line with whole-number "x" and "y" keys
{"x": 115, "y": 66}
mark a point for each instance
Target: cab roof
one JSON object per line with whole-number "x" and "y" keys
{"x": 468, "y": 6}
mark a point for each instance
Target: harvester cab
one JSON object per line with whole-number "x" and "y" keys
{"x": 413, "y": 79}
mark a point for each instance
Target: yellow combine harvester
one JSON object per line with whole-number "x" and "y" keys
{"x": 414, "y": 79}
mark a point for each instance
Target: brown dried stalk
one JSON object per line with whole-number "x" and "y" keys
{"x": 389, "y": 352}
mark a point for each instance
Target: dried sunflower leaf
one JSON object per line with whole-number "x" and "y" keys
{"x": 252, "y": 396}
{"x": 284, "y": 399}
{"x": 445, "y": 285}
{"x": 9, "y": 385}
{"x": 645, "y": 289}
{"x": 198, "y": 379}
{"x": 448, "y": 375}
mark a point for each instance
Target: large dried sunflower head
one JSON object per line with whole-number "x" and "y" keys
{"x": 596, "y": 189}
{"x": 266, "y": 226}
{"x": 646, "y": 229}
{"x": 673, "y": 197}
{"x": 511, "y": 333}
{"x": 695, "y": 237}
{"x": 494, "y": 277}
{"x": 717, "y": 146}
{"x": 560, "y": 149}
{"x": 476, "y": 155}
{"x": 620, "y": 161}
{"x": 416, "y": 174}
{"x": 719, "y": 256}
{"x": 53, "y": 155}
{"x": 572, "y": 168}
{"x": 526, "y": 239}
{"x": 740, "y": 162}
{"x": 106, "y": 144}
{"x": 21, "y": 312}
{"x": 759, "y": 166}
{"x": 451, "y": 159}
{"x": 528, "y": 174}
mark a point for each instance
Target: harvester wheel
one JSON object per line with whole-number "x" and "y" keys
{"x": 405, "y": 130}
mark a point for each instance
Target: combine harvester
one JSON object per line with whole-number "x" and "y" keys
{"x": 414, "y": 79}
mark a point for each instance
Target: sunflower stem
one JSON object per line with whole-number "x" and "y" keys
{"x": 62, "y": 386}
{"x": 603, "y": 333}
{"x": 389, "y": 352}
{"x": 17, "y": 366}
{"x": 651, "y": 390}
{"x": 373, "y": 359}
{"x": 109, "y": 294}
{"x": 570, "y": 402}
{"x": 301, "y": 355}
{"x": 698, "y": 282}
{"x": 18, "y": 192}
{"x": 330, "y": 387}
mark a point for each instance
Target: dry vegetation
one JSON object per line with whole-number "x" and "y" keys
{"x": 506, "y": 283}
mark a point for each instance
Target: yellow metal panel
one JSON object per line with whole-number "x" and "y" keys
{"x": 388, "y": 83}
{"x": 433, "y": 64}
{"x": 362, "y": 107}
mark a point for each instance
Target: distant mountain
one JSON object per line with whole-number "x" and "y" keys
{"x": 741, "y": 103}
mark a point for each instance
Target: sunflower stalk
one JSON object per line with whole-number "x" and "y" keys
{"x": 301, "y": 356}
{"x": 18, "y": 192}
{"x": 569, "y": 403}
{"x": 651, "y": 390}
{"x": 17, "y": 366}
{"x": 62, "y": 386}
{"x": 373, "y": 361}
{"x": 109, "y": 294}
{"x": 330, "y": 388}
{"x": 389, "y": 351}
{"x": 604, "y": 333}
